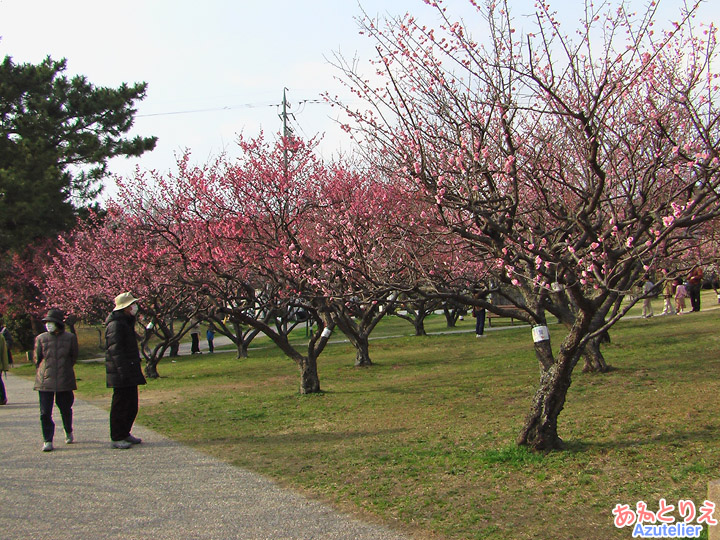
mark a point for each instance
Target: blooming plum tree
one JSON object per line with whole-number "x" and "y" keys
{"x": 316, "y": 232}
{"x": 103, "y": 257}
{"x": 209, "y": 219}
{"x": 415, "y": 309}
{"x": 566, "y": 166}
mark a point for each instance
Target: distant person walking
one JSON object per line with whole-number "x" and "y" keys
{"x": 210, "y": 334}
{"x": 680, "y": 295}
{"x": 56, "y": 352}
{"x": 4, "y": 366}
{"x": 694, "y": 287}
{"x": 479, "y": 314}
{"x": 195, "y": 336}
{"x": 668, "y": 296}
{"x": 8, "y": 341}
{"x": 123, "y": 369}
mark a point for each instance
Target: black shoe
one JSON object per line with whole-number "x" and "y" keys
{"x": 122, "y": 445}
{"x": 132, "y": 440}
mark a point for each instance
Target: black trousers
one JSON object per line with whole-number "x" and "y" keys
{"x": 480, "y": 322}
{"x": 64, "y": 402}
{"x": 123, "y": 410}
{"x": 694, "y": 291}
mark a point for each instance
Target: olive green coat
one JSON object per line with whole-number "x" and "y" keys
{"x": 4, "y": 360}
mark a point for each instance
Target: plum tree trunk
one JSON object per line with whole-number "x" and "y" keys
{"x": 451, "y": 316}
{"x": 417, "y": 320}
{"x": 309, "y": 379}
{"x": 362, "y": 346}
{"x": 151, "y": 371}
{"x": 593, "y": 358}
{"x": 358, "y": 334}
{"x": 152, "y": 358}
{"x": 540, "y": 430}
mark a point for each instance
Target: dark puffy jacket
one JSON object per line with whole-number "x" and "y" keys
{"x": 55, "y": 356}
{"x": 122, "y": 356}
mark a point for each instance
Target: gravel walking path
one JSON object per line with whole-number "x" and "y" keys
{"x": 157, "y": 490}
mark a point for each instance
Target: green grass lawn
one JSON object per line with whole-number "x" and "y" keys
{"x": 424, "y": 440}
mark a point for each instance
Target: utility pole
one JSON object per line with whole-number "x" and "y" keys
{"x": 287, "y": 131}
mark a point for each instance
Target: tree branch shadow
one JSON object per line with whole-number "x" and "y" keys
{"x": 676, "y": 438}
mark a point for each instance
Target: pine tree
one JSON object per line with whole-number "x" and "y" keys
{"x": 56, "y": 136}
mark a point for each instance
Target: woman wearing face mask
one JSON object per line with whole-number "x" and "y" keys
{"x": 123, "y": 369}
{"x": 56, "y": 352}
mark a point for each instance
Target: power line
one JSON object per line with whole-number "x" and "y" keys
{"x": 228, "y": 108}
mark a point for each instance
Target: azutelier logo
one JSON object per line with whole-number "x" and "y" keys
{"x": 662, "y": 523}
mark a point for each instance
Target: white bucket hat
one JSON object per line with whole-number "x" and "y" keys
{"x": 124, "y": 300}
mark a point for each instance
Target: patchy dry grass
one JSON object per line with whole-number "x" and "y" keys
{"x": 424, "y": 440}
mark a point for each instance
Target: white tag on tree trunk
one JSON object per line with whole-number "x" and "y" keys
{"x": 540, "y": 333}
{"x": 326, "y": 333}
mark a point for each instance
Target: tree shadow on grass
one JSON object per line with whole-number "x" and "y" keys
{"x": 425, "y": 386}
{"x": 304, "y": 437}
{"x": 676, "y": 438}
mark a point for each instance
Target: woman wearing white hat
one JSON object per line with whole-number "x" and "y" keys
{"x": 123, "y": 369}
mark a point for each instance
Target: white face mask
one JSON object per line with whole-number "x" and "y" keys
{"x": 134, "y": 309}
{"x": 50, "y": 326}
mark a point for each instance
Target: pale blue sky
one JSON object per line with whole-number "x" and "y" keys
{"x": 229, "y": 59}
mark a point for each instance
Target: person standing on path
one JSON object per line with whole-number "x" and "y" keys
{"x": 123, "y": 369}
{"x": 694, "y": 286}
{"x": 4, "y": 366}
{"x": 195, "y": 336}
{"x": 680, "y": 295}
{"x": 479, "y": 314}
{"x": 8, "y": 341}
{"x": 668, "y": 295}
{"x": 210, "y": 335}
{"x": 56, "y": 352}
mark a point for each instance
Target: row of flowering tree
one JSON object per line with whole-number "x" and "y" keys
{"x": 245, "y": 244}
{"x": 550, "y": 172}
{"x": 567, "y": 166}
{"x": 106, "y": 256}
